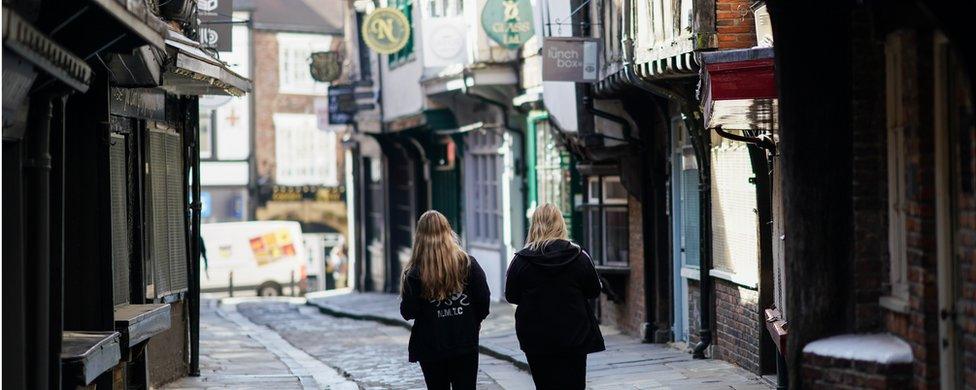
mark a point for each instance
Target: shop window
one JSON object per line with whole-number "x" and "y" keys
{"x": 304, "y": 155}
{"x": 294, "y": 53}
{"x": 897, "y": 45}
{"x": 552, "y": 171}
{"x": 606, "y": 231}
{"x": 206, "y": 134}
{"x": 405, "y": 54}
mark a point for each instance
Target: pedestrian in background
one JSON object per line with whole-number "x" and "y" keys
{"x": 445, "y": 292}
{"x": 552, "y": 280}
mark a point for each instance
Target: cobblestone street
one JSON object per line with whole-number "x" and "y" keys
{"x": 277, "y": 344}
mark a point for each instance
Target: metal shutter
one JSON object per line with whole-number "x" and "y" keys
{"x": 168, "y": 220}
{"x": 120, "y": 231}
{"x": 176, "y": 216}
{"x": 160, "y": 223}
{"x": 735, "y": 222}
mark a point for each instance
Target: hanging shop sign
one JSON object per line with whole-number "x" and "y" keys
{"x": 216, "y": 24}
{"x": 570, "y": 59}
{"x": 386, "y": 30}
{"x": 444, "y": 41}
{"x": 508, "y": 22}
{"x": 325, "y": 66}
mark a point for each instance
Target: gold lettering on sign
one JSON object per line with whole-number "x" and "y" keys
{"x": 383, "y": 28}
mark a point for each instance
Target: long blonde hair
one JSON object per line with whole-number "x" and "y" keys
{"x": 442, "y": 264}
{"x": 547, "y": 226}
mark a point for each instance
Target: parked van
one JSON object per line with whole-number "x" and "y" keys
{"x": 263, "y": 256}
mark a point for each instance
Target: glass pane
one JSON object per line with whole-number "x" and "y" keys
{"x": 689, "y": 217}
{"x": 593, "y": 191}
{"x": 616, "y": 235}
{"x": 613, "y": 191}
{"x": 594, "y": 234}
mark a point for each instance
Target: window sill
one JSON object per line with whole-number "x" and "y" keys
{"x": 612, "y": 269}
{"x": 691, "y": 273}
{"x": 895, "y": 304}
{"x": 749, "y": 283}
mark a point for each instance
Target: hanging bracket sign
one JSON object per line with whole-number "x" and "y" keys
{"x": 386, "y": 30}
{"x": 570, "y": 59}
{"x": 508, "y": 22}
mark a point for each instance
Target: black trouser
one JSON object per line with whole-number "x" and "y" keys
{"x": 458, "y": 372}
{"x": 563, "y": 371}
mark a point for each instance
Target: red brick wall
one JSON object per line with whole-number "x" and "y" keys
{"x": 827, "y": 373}
{"x": 734, "y": 24}
{"x": 629, "y": 315}
{"x": 694, "y": 312}
{"x": 737, "y": 328}
{"x": 268, "y": 101}
{"x": 265, "y": 94}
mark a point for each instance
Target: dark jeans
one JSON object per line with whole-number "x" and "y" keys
{"x": 558, "y": 371}
{"x": 458, "y": 372}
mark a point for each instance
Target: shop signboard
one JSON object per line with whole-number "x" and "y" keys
{"x": 508, "y": 22}
{"x": 216, "y": 23}
{"x": 570, "y": 59}
{"x": 386, "y": 30}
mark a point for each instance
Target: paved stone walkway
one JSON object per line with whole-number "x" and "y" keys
{"x": 237, "y": 354}
{"x": 627, "y": 363}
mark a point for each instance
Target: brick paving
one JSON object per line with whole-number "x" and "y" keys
{"x": 627, "y": 363}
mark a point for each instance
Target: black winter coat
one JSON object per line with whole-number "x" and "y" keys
{"x": 447, "y": 328}
{"x": 552, "y": 288}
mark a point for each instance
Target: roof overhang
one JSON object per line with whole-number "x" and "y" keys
{"x": 192, "y": 71}
{"x": 458, "y": 79}
{"x": 22, "y": 38}
{"x": 740, "y": 89}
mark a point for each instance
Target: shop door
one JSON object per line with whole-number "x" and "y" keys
{"x": 403, "y": 211}
{"x": 955, "y": 128}
{"x": 685, "y": 224}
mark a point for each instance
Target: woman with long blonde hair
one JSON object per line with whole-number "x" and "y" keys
{"x": 445, "y": 292}
{"x": 552, "y": 280}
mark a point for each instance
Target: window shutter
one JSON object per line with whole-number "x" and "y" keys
{"x": 120, "y": 231}
{"x": 168, "y": 225}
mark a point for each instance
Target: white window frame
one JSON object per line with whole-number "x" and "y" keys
{"x": 294, "y": 53}
{"x": 896, "y": 164}
{"x": 304, "y": 155}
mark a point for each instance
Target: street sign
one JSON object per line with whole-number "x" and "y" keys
{"x": 215, "y": 23}
{"x": 570, "y": 59}
{"x": 508, "y": 22}
{"x": 386, "y": 30}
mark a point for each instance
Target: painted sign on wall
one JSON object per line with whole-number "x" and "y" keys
{"x": 508, "y": 22}
{"x": 386, "y": 30}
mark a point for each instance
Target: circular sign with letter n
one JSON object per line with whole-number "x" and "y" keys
{"x": 386, "y": 30}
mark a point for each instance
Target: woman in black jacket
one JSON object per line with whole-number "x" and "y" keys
{"x": 445, "y": 292}
{"x": 552, "y": 280}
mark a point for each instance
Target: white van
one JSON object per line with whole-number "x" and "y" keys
{"x": 263, "y": 256}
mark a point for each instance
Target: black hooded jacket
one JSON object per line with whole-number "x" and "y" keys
{"x": 447, "y": 328}
{"x": 552, "y": 287}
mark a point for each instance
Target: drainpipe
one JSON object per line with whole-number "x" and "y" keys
{"x": 37, "y": 259}
{"x": 692, "y": 119}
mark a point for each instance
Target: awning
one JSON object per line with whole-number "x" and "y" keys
{"x": 740, "y": 89}
{"x": 192, "y": 71}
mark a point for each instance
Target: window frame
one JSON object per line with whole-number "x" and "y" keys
{"x": 602, "y": 205}
{"x": 895, "y": 48}
{"x": 298, "y": 48}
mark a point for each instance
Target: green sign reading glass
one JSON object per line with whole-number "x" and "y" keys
{"x": 508, "y": 22}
